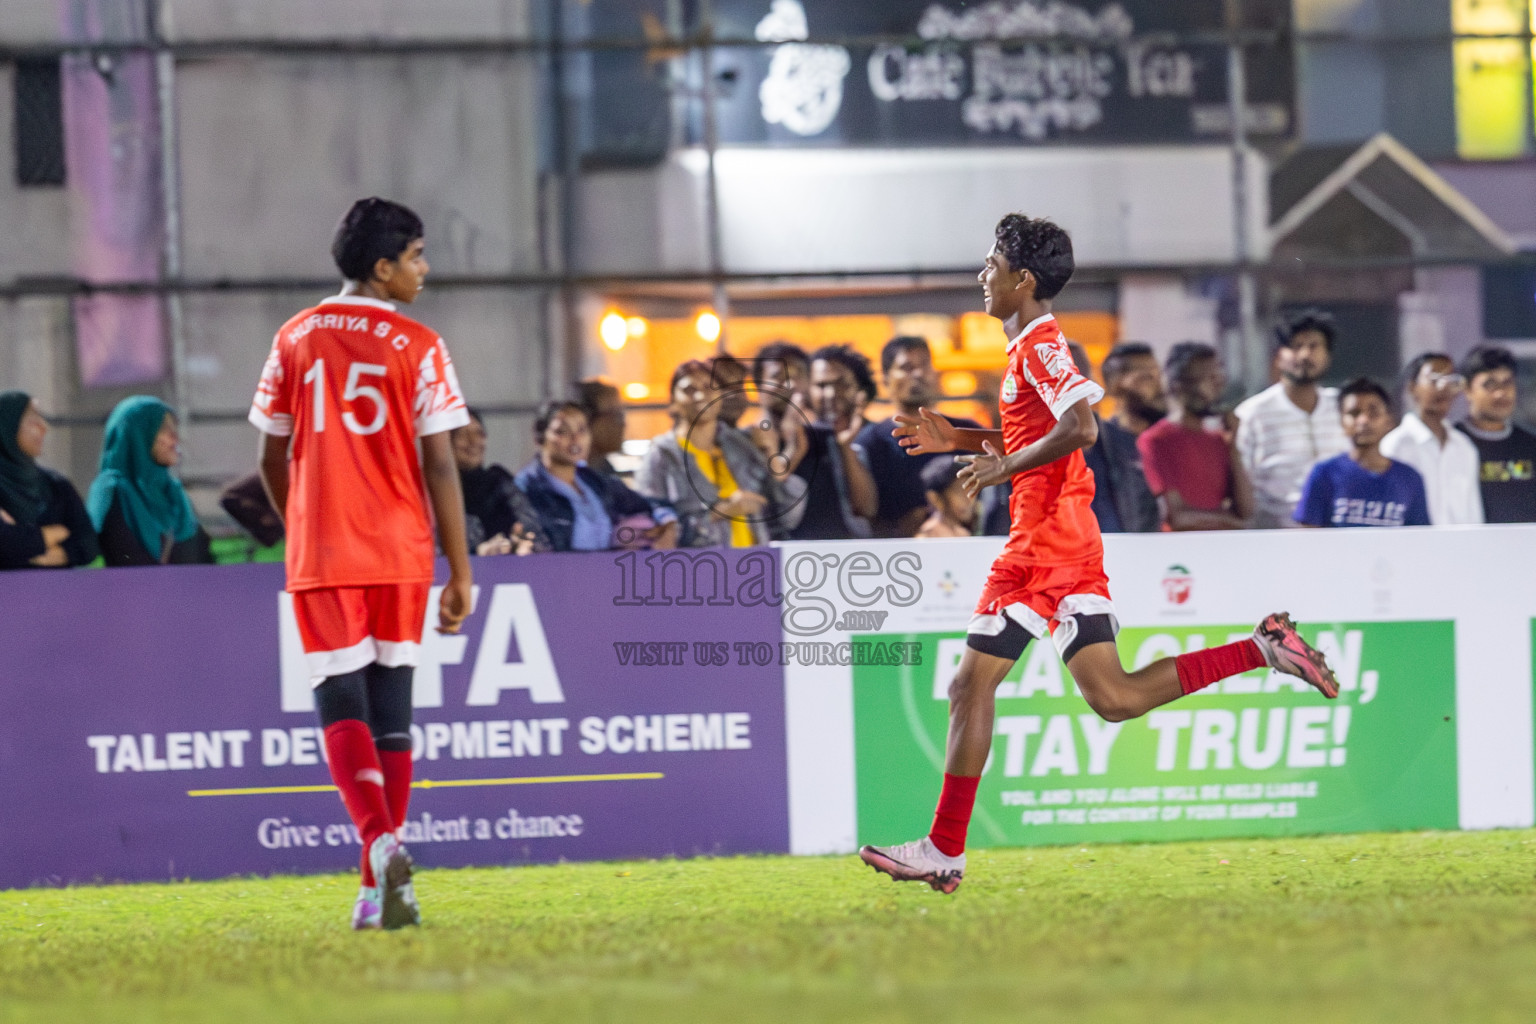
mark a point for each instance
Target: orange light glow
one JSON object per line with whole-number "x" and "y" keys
{"x": 614, "y": 330}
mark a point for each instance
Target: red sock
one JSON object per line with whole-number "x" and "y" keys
{"x": 953, "y": 815}
{"x": 356, "y": 771}
{"x": 1199, "y": 669}
{"x": 397, "y": 783}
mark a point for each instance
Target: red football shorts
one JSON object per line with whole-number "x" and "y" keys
{"x": 1040, "y": 598}
{"x": 347, "y": 628}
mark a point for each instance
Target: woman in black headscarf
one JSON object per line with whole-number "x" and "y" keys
{"x": 42, "y": 520}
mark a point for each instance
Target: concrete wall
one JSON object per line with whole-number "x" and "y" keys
{"x": 332, "y": 19}
{"x": 29, "y": 21}
{"x": 915, "y": 210}
{"x": 272, "y": 151}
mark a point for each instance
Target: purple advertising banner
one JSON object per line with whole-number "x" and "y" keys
{"x": 158, "y": 722}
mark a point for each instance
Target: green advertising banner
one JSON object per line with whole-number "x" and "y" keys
{"x": 1261, "y": 754}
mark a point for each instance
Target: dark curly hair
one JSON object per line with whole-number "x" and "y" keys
{"x": 778, "y": 352}
{"x": 854, "y": 361}
{"x": 374, "y": 229}
{"x": 1040, "y": 247}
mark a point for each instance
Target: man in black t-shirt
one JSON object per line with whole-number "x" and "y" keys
{"x": 1506, "y": 453}
{"x": 911, "y": 382}
{"x": 1122, "y": 501}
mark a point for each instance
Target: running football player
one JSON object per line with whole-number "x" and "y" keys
{"x": 1049, "y": 579}
{"x": 349, "y": 388}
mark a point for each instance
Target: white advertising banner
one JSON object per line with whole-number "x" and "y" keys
{"x": 1429, "y": 630}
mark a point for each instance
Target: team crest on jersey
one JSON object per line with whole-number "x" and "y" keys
{"x": 1010, "y": 388}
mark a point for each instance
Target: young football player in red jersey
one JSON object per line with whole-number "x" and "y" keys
{"x": 1050, "y": 575}
{"x": 350, "y": 386}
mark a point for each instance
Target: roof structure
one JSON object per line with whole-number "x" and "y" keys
{"x": 1374, "y": 201}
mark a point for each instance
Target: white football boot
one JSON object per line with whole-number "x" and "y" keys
{"x": 918, "y": 861}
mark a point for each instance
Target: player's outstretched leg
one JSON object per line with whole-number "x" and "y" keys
{"x": 1117, "y": 695}
{"x": 1285, "y": 651}
{"x": 938, "y": 859}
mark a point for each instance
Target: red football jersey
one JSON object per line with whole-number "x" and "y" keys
{"x": 1053, "y": 521}
{"x": 355, "y": 383}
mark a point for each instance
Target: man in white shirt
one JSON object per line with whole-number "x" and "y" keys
{"x": 1288, "y": 426}
{"x": 1446, "y": 458}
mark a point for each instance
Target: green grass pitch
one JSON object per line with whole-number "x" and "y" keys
{"x": 1397, "y": 928}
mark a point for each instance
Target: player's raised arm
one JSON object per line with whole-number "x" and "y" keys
{"x": 1076, "y": 429}
{"x": 928, "y": 432}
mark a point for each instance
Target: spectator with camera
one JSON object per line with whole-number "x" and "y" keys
{"x": 781, "y": 372}
{"x": 724, "y": 491}
{"x": 730, "y": 376}
{"x": 840, "y": 494}
{"x": 498, "y": 517}
{"x": 841, "y": 497}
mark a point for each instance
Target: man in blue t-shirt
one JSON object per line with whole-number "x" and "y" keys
{"x": 1363, "y": 487}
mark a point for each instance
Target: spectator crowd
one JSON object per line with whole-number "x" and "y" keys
{"x": 782, "y": 450}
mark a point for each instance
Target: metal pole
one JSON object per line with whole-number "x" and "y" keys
{"x": 1253, "y": 365}
{"x": 564, "y": 360}
{"x": 170, "y": 185}
{"x": 720, "y": 298}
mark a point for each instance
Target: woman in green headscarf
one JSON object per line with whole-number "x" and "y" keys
{"x": 42, "y": 522}
{"x": 141, "y": 511}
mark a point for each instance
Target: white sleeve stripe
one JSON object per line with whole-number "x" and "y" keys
{"x": 1084, "y": 388}
{"x": 450, "y": 419}
{"x": 280, "y": 425}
